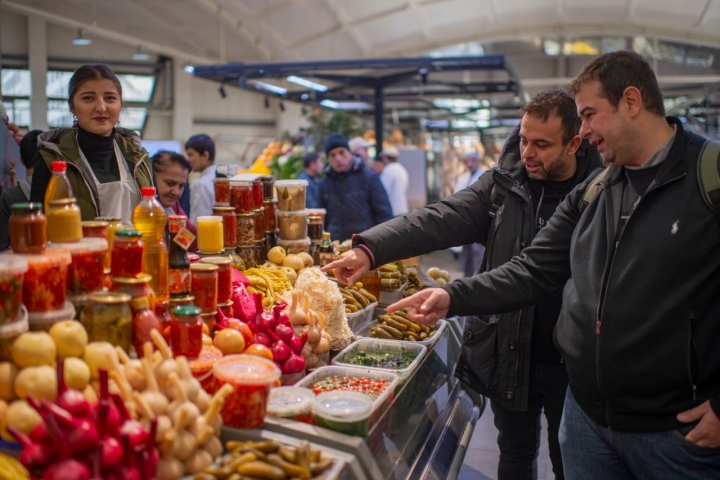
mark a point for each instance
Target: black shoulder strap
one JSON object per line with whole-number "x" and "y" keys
{"x": 709, "y": 175}
{"x": 592, "y": 190}
{"x": 496, "y": 199}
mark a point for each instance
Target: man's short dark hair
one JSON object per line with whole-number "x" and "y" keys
{"x": 617, "y": 71}
{"x": 309, "y": 158}
{"x": 555, "y": 103}
{"x": 29, "y": 147}
{"x": 202, "y": 143}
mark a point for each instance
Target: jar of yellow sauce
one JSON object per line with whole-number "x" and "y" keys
{"x": 64, "y": 223}
{"x": 210, "y": 234}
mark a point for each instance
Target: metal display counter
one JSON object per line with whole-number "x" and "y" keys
{"x": 422, "y": 435}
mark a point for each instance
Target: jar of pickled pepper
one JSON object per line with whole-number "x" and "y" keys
{"x": 259, "y": 224}
{"x": 127, "y": 253}
{"x": 241, "y": 196}
{"x": 258, "y": 193}
{"x": 224, "y": 271}
{"x": 108, "y": 318}
{"x": 186, "y": 331}
{"x": 229, "y": 220}
{"x": 28, "y": 230}
{"x": 205, "y": 286}
{"x": 270, "y": 220}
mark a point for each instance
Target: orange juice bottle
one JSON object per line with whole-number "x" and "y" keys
{"x": 58, "y": 187}
{"x": 149, "y": 218}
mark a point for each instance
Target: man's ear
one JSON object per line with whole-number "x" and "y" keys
{"x": 574, "y": 144}
{"x": 632, "y": 100}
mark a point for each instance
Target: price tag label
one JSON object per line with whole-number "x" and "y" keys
{"x": 184, "y": 238}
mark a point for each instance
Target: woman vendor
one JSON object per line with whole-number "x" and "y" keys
{"x": 107, "y": 165}
{"x": 171, "y": 175}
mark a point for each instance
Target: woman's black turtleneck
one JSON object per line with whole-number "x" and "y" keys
{"x": 100, "y": 154}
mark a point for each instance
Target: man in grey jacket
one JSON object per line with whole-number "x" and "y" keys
{"x": 639, "y": 268}
{"x": 509, "y": 358}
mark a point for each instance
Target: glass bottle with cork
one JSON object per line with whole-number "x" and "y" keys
{"x": 325, "y": 253}
{"x": 178, "y": 262}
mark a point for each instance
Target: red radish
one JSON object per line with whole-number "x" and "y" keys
{"x": 137, "y": 435}
{"x": 71, "y": 400}
{"x": 40, "y": 433}
{"x": 34, "y": 455}
{"x": 65, "y": 468}
{"x": 113, "y": 420}
{"x": 149, "y": 454}
{"x": 280, "y": 351}
{"x": 128, "y": 470}
{"x": 262, "y": 339}
{"x": 265, "y": 321}
{"x": 294, "y": 364}
{"x": 81, "y": 433}
{"x": 111, "y": 452}
{"x": 281, "y": 318}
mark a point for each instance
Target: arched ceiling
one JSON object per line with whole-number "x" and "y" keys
{"x": 213, "y": 31}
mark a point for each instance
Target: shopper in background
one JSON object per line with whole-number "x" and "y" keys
{"x": 171, "y": 176}
{"x": 21, "y": 192}
{"x": 395, "y": 179}
{"x": 313, "y": 167}
{"x": 359, "y": 146}
{"x": 378, "y": 166}
{"x": 640, "y": 271}
{"x": 107, "y": 165}
{"x": 510, "y": 358}
{"x": 200, "y": 151}
{"x": 470, "y": 255}
{"x": 352, "y": 195}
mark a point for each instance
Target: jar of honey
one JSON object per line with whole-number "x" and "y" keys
{"x": 64, "y": 223}
{"x": 28, "y": 231}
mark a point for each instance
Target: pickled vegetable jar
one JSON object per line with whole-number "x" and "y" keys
{"x": 292, "y": 225}
{"x": 28, "y": 231}
{"x": 12, "y": 275}
{"x": 291, "y": 402}
{"x": 270, "y": 220}
{"x": 268, "y": 187}
{"x": 87, "y": 271}
{"x": 315, "y": 228}
{"x": 143, "y": 322}
{"x": 95, "y": 229}
{"x": 43, "y": 321}
{"x": 229, "y": 219}
{"x": 64, "y": 223}
{"x": 127, "y": 253}
{"x": 291, "y": 195}
{"x": 136, "y": 287}
{"x": 182, "y": 301}
{"x": 257, "y": 193}
{"x": 241, "y": 196}
{"x": 259, "y": 223}
{"x": 9, "y": 332}
{"x": 205, "y": 286}
{"x": 186, "y": 332}
{"x": 162, "y": 312}
{"x": 222, "y": 190}
{"x": 210, "y": 234}
{"x": 247, "y": 256}
{"x": 108, "y": 318}
{"x": 245, "y": 229}
{"x": 202, "y": 367}
{"x": 224, "y": 271}
{"x": 251, "y": 377}
{"x": 114, "y": 224}
{"x": 46, "y": 280}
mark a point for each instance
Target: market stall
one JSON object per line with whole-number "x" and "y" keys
{"x": 123, "y": 356}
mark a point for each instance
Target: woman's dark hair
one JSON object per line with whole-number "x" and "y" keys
{"x": 92, "y": 71}
{"x": 201, "y": 143}
{"x": 164, "y": 158}
{"x": 29, "y": 147}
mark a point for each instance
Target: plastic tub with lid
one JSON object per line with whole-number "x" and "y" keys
{"x": 251, "y": 377}
{"x": 12, "y": 275}
{"x": 45, "y": 320}
{"x": 291, "y": 195}
{"x": 10, "y": 331}
{"x": 294, "y": 403}
{"x": 344, "y": 412}
{"x": 86, "y": 273}
{"x": 46, "y": 280}
{"x": 294, "y": 246}
{"x": 382, "y": 346}
{"x": 292, "y": 225}
{"x": 202, "y": 367}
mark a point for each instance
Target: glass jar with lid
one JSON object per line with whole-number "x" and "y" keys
{"x": 127, "y": 253}
{"x": 205, "y": 286}
{"x": 245, "y": 229}
{"x": 241, "y": 196}
{"x": 64, "y": 223}
{"x": 108, "y": 318}
{"x": 224, "y": 271}
{"x": 186, "y": 331}
{"x": 259, "y": 224}
{"x": 315, "y": 228}
{"x": 136, "y": 287}
{"x": 28, "y": 231}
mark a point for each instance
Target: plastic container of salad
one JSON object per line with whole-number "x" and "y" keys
{"x": 402, "y": 358}
{"x": 344, "y": 412}
{"x": 12, "y": 274}
{"x": 43, "y": 321}
{"x": 294, "y": 403}
{"x": 359, "y": 379}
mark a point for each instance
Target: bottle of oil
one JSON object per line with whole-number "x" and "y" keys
{"x": 326, "y": 250}
{"x": 58, "y": 187}
{"x": 150, "y": 219}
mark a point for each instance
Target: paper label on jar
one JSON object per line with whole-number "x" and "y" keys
{"x": 179, "y": 281}
{"x": 184, "y": 238}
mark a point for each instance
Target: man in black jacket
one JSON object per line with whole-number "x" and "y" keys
{"x": 509, "y": 358}
{"x": 639, "y": 267}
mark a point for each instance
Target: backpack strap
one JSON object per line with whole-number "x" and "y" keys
{"x": 496, "y": 200}
{"x": 709, "y": 175}
{"x": 592, "y": 190}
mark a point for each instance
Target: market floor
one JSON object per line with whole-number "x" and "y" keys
{"x": 481, "y": 458}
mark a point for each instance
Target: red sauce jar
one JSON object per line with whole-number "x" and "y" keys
{"x": 224, "y": 272}
{"x": 95, "y": 229}
{"x": 205, "y": 286}
{"x": 270, "y": 220}
{"x": 259, "y": 223}
{"x": 241, "y": 196}
{"x": 162, "y": 312}
{"x": 258, "y": 193}
{"x": 186, "y": 332}
{"x": 86, "y": 273}
{"x": 28, "y": 229}
{"x": 222, "y": 190}
{"x": 229, "y": 219}
{"x": 127, "y": 254}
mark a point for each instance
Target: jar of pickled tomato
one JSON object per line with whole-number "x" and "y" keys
{"x": 127, "y": 253}
{"x": 186, "y": 332}
{"x": 224, "y": 271}
{"x": 205, "y": 286}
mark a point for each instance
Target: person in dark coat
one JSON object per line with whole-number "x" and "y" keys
{"x": 510, "y": 358}
{"x": 352, "y": 195}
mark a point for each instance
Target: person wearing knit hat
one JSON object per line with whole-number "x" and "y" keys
{"x": 351, "y": 193}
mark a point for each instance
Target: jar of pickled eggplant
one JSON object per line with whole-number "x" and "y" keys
{"x": 108, "y": 318}
{"x": 28, "y": 232}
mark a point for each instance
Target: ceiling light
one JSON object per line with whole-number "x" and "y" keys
{"x": 269, "y": 88}
{"x": 80, "y": 40}
{"x": 344, "y": 105}
{"x": 304, "y": 82}
{"x": 140, "y": 55}
{"x": 189, "y": 69}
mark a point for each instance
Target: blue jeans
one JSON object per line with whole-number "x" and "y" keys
{"x": 519, "y": 432}
{"x": 591, "y": 451}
